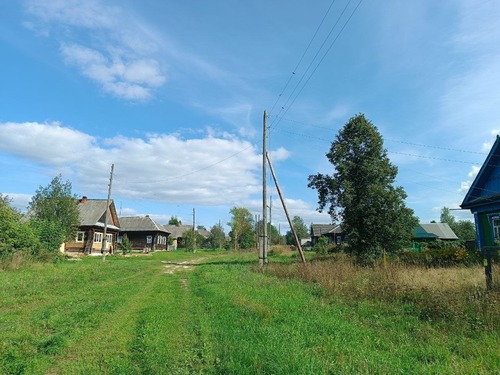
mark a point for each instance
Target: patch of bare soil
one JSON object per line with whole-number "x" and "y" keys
{"x": 172, "y": 267}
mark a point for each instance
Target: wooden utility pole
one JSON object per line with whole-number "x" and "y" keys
{"x": 104, "y": 247}
{"x": 297, "y": 241}
{"x": 263, "y": 237}
{"x": 194, "y": 230}
{"x": 270, "y": 220}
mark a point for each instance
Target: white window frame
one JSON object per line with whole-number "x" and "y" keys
{"x": 98, "y": 237}
{"x": 149, "y": 239}
{"x": 109, "y": 238}
{"x": 80, "y": 236}
{"x": 495, "y": 223}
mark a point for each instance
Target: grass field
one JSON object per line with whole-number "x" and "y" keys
{"x": 210, "y": 312}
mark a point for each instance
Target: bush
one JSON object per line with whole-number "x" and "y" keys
{"x": 125, "y": 246}
{"x": 441, "y": 254}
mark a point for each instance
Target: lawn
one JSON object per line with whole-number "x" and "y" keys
{"x": 214, "y": 312}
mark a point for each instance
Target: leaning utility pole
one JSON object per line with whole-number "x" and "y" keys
{"x": 299, "y": 246}
{"x": 263, "y": 237}
{"x": 104, "y": 247}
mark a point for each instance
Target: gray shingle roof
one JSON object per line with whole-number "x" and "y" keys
{"x": 91, "y": 211}
{"x": 140, "y": 224}
{"x": 177, "y": 231}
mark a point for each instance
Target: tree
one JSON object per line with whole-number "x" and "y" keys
{"x": 447, "y": 217}
{"x": 174, "y": 221}
{"x": 300, "y": 228}
{"x": 15, "y": 235}
{"x": 360, "y": 193}
{"x": 54, "y": 213}
{"x": 217, "y": 237}
{"x": 242, "y": 231}
{"x": 125, "y": 246}
{"x": 273, "y": 234}
{"x": 464, "y": 229}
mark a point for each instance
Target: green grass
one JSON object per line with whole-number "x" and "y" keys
{"x": 127, "y": 315}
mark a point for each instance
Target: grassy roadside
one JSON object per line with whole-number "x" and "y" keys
{"x": 129, "y": 316}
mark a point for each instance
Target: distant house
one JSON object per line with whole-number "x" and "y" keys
{"x": 433, "y": 232}
{"x": 483, "y": 200}
{"x": 143, "y": 233}
{"x": 90, "y": 234}
{"x": 333, "y": 232}
{"x": 177, "y": 234}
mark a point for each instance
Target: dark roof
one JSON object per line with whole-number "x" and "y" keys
{"x": 486, "y": 186}
{"x": 318, "y": 230}
{"x": 140, "y": 224}
{"x": 92, "y": 213}
{"x": 440, "y": 231}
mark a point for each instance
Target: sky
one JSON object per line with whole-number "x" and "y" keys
{"x": 173, "y": 94}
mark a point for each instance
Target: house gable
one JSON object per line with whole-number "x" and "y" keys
{"x": 485, "y": 190}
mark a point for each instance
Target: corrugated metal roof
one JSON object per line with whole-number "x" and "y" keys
{"x": 140, "y": 224}
{"x": 441, "y": 230}
{"x": 321, "y": 229}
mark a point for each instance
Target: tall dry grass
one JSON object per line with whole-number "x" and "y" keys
{"x": 455, "y": 295}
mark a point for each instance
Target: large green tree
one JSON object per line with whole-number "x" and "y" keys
{"x": 242, "y": 228}
{"x": 361, "y": 193}
{"x": 300, "y": 228}
{"x": 54, "y": 213}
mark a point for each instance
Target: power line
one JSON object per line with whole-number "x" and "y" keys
{"x": 276, "y": 122}
{"x": 302, "y": 57}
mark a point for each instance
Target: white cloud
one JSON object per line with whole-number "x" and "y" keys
{"x": 465, "y": 185}
{"x": 161, "y": 167}
{"x": 119, "y": 59}
{"x": 49, "y": 144}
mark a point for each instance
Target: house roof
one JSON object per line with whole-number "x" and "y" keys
{"x": 177, "y": 231}
{"x": 140, "y": 224}
{"x": 317, "y": 230}
{"x": 486, "y": 186}
{"x": 440, "y": 231}
{"x": 92, "y": 213}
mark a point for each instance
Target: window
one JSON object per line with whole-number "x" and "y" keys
{"x": 149, "y": 239}
{"x": 97, "y": 237}
{"x": 109, "y": 238}
{"x": 496, "y": 229}
{"x": 80, "y": 236}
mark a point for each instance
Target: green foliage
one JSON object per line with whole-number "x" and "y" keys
{"x": 174, "y": 221}
{"x": 125, "y": 246}
{"x": 272, "y": 233}
{"x": 321, "y": 246}
{"x": 300, "y": 228}
{"x": 15, "y": 235}
{"x": 242, "y": 228}
{"x": 54, "y": 214}
{"x": 192, "y": 240}
{"x": 217, "y": 237}
{"x": 360, "y": 193}
{"x": 464, "y": 229}
{"x": 441, "y": 254}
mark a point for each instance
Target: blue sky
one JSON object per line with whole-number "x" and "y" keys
{"x": 173, "y": 94}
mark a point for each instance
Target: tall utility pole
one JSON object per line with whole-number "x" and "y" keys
{"x": 263, "y": 237}
{"x": 104, "y": 247}
{"x": 297, "y": 241}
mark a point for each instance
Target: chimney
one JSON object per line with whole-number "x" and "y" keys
{"x": 84, "y": 199}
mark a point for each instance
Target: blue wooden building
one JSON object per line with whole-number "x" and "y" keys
{"x": 483, "y": 200}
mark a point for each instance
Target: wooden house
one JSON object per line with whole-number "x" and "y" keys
{"x": 333, "y": 232}
{"x": 90, "y": 234}
{"x": 483, "y": 200}
{"x": 177, "y": 234}
{"x": 434, "y": 232}
{"x": 143, "y": 233}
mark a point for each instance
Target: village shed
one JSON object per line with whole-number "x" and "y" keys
{"x": 143, "y": 233}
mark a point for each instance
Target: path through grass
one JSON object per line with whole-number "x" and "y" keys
{"x": 220, "y": 316}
